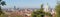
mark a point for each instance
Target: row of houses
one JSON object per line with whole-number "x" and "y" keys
{"x": 22, "y": 12}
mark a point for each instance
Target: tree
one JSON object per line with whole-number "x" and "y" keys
{"x": 57, "y": 8}
{"x": 2, "y": 3}
{"x": 38, "y": 13}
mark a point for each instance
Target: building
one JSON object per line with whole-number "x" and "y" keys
{"x": 22, "y": 12}
{"x": 47, "y": 8}
{"x": 50, "y": 10}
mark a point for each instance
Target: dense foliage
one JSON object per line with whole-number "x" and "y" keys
{"x": 57, "y": 8}
{"x": 2, "y": 3}
{"x": 38, "y": 13}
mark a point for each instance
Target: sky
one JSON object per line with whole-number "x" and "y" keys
{"x": 28, "y": 3}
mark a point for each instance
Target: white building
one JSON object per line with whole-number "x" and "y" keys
{"x": 46, "y": 8}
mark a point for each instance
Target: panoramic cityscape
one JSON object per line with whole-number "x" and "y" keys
{"x": 29, "y": 8}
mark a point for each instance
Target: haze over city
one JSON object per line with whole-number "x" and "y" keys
{"x": 29, "y": 3}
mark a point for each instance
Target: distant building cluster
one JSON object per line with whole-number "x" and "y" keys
{"x": 26, "y": 12}
{"x": 22, "y": 12}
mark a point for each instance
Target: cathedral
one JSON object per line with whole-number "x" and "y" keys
{"x": 47, "y": 8}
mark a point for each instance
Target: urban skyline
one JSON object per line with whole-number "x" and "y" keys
{"x": 29, "y": 3}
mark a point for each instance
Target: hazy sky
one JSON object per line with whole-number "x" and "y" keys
{"x": 28, "y": 3}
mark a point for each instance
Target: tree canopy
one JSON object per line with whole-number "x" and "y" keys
{"x": 2, "y": 3}
{"x": 57, "y": 8}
